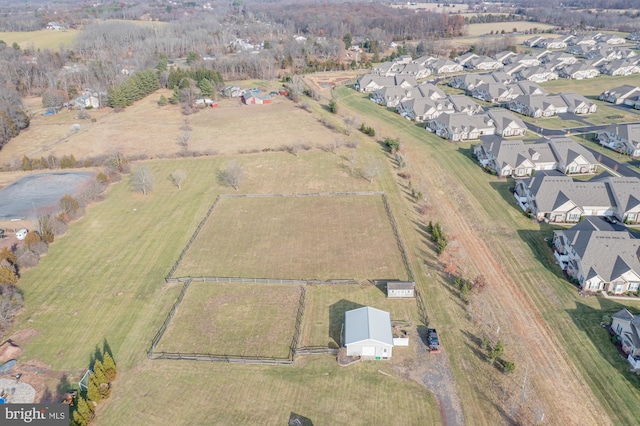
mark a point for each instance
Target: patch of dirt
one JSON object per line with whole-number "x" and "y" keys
{"x": 8, "y": 351}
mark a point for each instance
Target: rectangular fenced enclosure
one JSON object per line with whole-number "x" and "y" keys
{"x": 234, "y": 319}
{"x": 326, "y": 305}
{"x": 296, "y": 237}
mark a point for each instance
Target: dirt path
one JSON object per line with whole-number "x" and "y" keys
{"x": 522, "y": 324}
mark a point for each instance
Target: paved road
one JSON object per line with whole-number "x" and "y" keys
{"x": 621, "y": 168}
{"x": 563, "y": 132}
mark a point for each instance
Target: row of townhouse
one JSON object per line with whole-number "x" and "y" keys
{"x": 625, "y": 94}
{"x": 419, "y": 68}
{"x": 553, "y": 197}
{"x": 623, "y": 138}
{"x": 540, "y": 106}
{"x": 518, "y": 159}
{"x": 573, "y": 40}
{"x": 462, "y": 126}
{"x": 602, "y": 256}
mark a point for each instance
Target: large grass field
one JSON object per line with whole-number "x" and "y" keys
{"x": 498, "y": 240}
{"x": 234, "y": 319}
{"x": 326, "y": 305}
{"x": 41, "y": 39}
{"x": 474, "y": 30}
{"x": 314, "y": 237}
{"x": 591, "y": 88}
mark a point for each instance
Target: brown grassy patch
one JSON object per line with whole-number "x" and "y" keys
{"x": 340, "y": 237}
{"x": 234, "y": 319}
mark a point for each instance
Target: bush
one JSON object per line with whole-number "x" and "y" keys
{"x": 28, "y": 259}
{"x": 11, "y": 301}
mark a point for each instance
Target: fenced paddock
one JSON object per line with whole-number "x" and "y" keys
{"x": 232, "y": 322}
{"x": 321, "y": 237}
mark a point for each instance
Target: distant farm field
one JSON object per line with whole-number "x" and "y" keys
{"x": 234, "y": 319}
{"x": 41, "y": 39}
{"x": 147, "y": 129}
{"x": 309, "y": 237}
{"x": 592, "y": 87}
{"x": 497, "y": 27}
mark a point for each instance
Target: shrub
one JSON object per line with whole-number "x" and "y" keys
{"x": 28, "y": 259}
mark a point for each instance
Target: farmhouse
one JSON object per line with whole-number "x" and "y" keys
{"x": 601, "y": 256}
{"x": 367, "y": 333}
{"x": 399, "y": 289}
{"x": 87, "y": 100}
{"x": 627, "y": 326}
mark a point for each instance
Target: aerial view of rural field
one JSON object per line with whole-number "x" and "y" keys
{"x": 320, "y": 212}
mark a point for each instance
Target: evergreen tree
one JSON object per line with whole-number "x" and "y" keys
{"x": 205, "y": 87}
{"x": 162, "y": 101}
{"x": 93, "y": 389}
{"x": 109, "y": 367}
{"x": 82, "y": 413}
{"x": 99, "y": 372}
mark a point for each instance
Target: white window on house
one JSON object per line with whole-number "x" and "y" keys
{"x": 594, "y": 285}
{"x": 574, "y": 216}
{"x": 634, "y": 286}
{"x": 631, "y": 216}
{"x": 617, "y": 288}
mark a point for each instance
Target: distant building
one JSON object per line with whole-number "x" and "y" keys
{"x": 400, "y": 289}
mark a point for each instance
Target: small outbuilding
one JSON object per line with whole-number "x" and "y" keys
{"x": 367, "y": 333}
{"x": 399, "y": 289}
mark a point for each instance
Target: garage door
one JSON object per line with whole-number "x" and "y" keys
{"x": 368, "y": 351}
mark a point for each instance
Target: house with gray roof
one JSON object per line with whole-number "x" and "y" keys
{"x": 623, "y": 138}
{"x": 462, "y": 103}
{"x": 469, "y": 81}
{"x": 538, "y": 106}
{"x": 626, "y": 193}
{"x": 620, "y": 67}
{"x": 463, "y": 59}
{"x": 518, "y": 159}
{"x": 444, "y": 66}
{"x": 537, "y": 74}
{"x": 611, "y": 39}
{"x": 424, "y": 109}
{"x": 562, "y": 57}
{"x": 367, "y": 333}
{"x": 581, "y": 49}
{"x": 553, "y": 43}
{"x": 416, "y": 71}
{"x": 579, "y": 71}
{"x": 504, "y": 157}
{"x": 502, "y": 56}
{"x": 492, "y": 92}
{"x": 386, "y": 69}
{"x": 578, "y": 104}
{"x": 460, "y": 126}
{"x": 552, "y": 197}
{"x": 431, "y": 91}
{"x": 582, "y": 40}
{"x": 484, "y": 63}
{"x": 525, "y": 87}
{"x": 601, "y": 256}
{"x": 571, "y": 157}
{"x": 372, "y": 82}
{"x": 626, "y": 94}
{"x": 507, "y": 124}
{"x": 627, "y": 327}
{"x": 391, "y": 96}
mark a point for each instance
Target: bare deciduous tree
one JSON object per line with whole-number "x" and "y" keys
{"x": 142, "y": 180}
{"x": 183, "y": 140}
{"x": 177, "y": 177}
{"x": 352, "y": 163}
{"x": 231, "y": 175}
{"x": 370, "y": 170}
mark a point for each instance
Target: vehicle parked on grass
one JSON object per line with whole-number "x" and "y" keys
{"x": 21, "y": 234}
{"x": 432, "y": 340}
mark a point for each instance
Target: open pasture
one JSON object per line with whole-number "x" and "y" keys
{"x": 234, "y": 319}
{"x": 307, "y": 237}
{"x": 41, "y": 39}
{"x": 147, "y": 129}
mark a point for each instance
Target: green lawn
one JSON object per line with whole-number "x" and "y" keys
{"x": 519, "y": 246}
{"x": 316, "y": 237}
{"x": 589, "y": 88}
{"x": 234, "y": 319}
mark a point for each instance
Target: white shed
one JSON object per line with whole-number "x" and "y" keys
{"x": 367, "y": 333}
{"x": 397, "y": 289}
